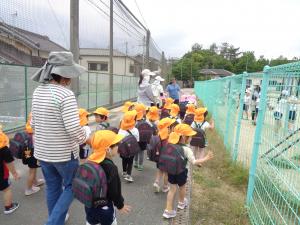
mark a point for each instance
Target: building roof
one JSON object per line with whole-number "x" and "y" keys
{"x": 30, "y": 39}
{"x": 216, "y": 72}
{"x": 99, "y": 52}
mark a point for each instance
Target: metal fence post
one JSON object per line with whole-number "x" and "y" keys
{"x": 228, "y": 116}
{"x": 258, "y": 131}
{"x": 97, "y": 90}
{"x": 26, "y": 94}
{"x": 240, "y": 115}
{"x": 88, "y": 90}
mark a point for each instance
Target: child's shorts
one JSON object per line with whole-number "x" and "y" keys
{"x": 103, "y": 215}
{"x": 292, "y": 115}
{"x": 32, "y": 163}
{"x": 4, "y": 183}
{"x": 179, "y": 179}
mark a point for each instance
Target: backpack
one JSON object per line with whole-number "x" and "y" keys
{"x": 182, "y": 106}
{"x": 128, "y": 146}
{"x": 104, "y": 124}
{"x": 164, "y": 113}
{"x": 198, "y": 140}
{"x": 189, "y": 119}
{"x": 172, "y": 159}
{"x": 90, "y": 185}
{"x": 21, "y": 144}
{"x": 113, "y": 129}
{"x": 153, "y": 148}
{"x": 145, "y": 130}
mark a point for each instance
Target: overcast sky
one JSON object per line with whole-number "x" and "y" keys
{"x": 268, "y": 27}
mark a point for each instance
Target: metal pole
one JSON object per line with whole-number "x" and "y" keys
{"x": 257, "y": 136}
{"x": 126, "y": 43}
{"x": 26, "y": 93}
{"x": 111, "y": 72}
{"x": 147, "y": 48}
{"x": 163, "y": 64}
{"x": 74, "y": 40}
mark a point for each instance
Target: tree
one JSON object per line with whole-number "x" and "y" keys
{"x": 214, "y": 48}
{"x": 196, "y": 47}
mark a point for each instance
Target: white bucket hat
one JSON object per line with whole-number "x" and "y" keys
{"x": 145, "y": 72}
{"x": 60, "y": 63}
{"x": 159, "y": 78}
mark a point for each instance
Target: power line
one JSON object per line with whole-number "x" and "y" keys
{"x": 140, "y": 13}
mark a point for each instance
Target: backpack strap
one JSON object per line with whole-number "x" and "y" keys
{"x": 179, "y": 149}
{"x": 105, "y": 125}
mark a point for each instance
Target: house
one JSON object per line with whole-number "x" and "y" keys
{"x": 215, "y": 73}
{"x": 97, "y": 60}
{"x": 18, "y": 46}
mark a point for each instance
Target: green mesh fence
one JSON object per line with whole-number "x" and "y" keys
{"x": 16, "y": 89}
{"x": 257, "y": 114}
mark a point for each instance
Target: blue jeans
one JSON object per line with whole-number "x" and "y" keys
{"x": 59, "y": 177}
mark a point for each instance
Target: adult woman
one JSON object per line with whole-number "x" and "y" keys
{"x": 145, "y": 93}
{"x": 173, "y": 89}
{"x": 57, "y": 131}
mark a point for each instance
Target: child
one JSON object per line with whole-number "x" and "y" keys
{"x": 199, "y": 122}
{"x": 165, "y": 111}
{"x": 139, "y": 157}
{"x": 181, "y": 136}
{"x": 32, "y": 182}
{"x": 101, "y": 116}
{"x": 127, "y": 127}
{"x": 6, "y": 166}
{"x": 105, "y": 146}
{"x": 127, "y": 106}
{"x": 174, "y": 113}
{"x": 163, "y": 132}
{"x": 189, "y": 114}
{"x": 84, "y": 148}
{"x": 247, "y": 101}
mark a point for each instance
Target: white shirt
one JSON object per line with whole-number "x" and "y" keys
{"x": 281, "y": 105}
{"x": 134, "y": 131}
{"x": 188, "y": 153}
{"x": 247, "y": 100}
{"x": 293, "y": 106}
{"x": 204, "y": 126}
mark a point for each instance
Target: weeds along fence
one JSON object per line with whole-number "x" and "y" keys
{"x": 16, "y": 89}
{"x": 266, "y": 141}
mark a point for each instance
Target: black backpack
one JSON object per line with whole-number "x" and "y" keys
{"x": 189, "y": 118}
{"x": 198, "y": 140}
{"x": 153, "y": 148}
{"x": 182, "y": 107}
{"x": 164, "y": 113}
{"x": 128, "y": 146}
{"x": 21, "y": 146}
{"x": 145, "y": 131}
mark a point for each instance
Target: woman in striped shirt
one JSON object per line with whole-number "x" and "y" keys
{"x": 57, "y": 132}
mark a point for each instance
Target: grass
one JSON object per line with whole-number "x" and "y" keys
{"x": 219, "y": 189}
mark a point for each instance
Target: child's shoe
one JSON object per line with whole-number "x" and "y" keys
{"x": 165, "y": 189}
{"x": 39, "y": 183}
{"x": 182, "y": 205}
{"x": 135, "y": 165}
{"x": 156, "y": 187}
{"x": 124, "y": 174}
{"x": 129, "y": 178}
{"x": 32, "y": 191}
{"x": 140, "y": 168}
{"x": 169, "y": 214}
{"x": 12, "y": 208}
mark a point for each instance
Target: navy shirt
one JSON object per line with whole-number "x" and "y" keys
{"x": 173, "y": 90}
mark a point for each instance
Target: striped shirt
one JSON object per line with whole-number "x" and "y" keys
{"x": 55, "y": 121}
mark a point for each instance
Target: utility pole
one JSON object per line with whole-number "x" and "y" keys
{"x": 74, "y": 40}
{"x": 147, "y": 48}
{"x": 163, "y": 64}
{"x": 126, "y": 44}
{"x": 111, "y": 49}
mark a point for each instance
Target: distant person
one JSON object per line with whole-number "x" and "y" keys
{"x": 57, "y": 131}
{"x": 101, "y": 118}
{"x": 158, "y": 91}
{"x": 145, "y": 92}
{"x": 246, "y": 105}
{"x": 173, "y": 89}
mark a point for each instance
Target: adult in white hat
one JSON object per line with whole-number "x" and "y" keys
{"x": 57, "y": 131}
{"x": 145, "y": 93}
{"x": 158, "y": 90}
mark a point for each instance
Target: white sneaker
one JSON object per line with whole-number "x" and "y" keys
{"x": 67, "y": 217}
{"x": 129, "y": 178}
{"x": 156, "y": 187}
{"x": 39, "y": 182}
{"x": 169, "y": 214}
{"x": 166, "y": 189}
{"x": 182, "y": 205}
{"x": 31, "y": 191}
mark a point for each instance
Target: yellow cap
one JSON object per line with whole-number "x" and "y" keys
{"x": 190, "y": 109}
{"x": 174, "y": 110}
{"x": 102, "y": 111}
{"x": 199, "y": 114}
{"x": 100, "y": 142}
{"x": 180, "y": 130}
{"x": 168, "y": 103}
{"x": 153, "y": 113}
{"x": 128, "y": 121}
{"x": 163, "y": 126}
{"x": 126, "y": 106}
{"x": 4, "y": 141}
{"x": 83, "y": 117}
{"x": 140, "y": 109}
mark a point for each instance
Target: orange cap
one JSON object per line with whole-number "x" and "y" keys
{"x": 28, "y": 128}
{"x": 174, "y": 110}
{"x": 180, "y": 130}
{"x": 83, "y": 117}
{"x": 140, "y": 109}
{"x": 100, "y": 142}
{"x": 153, "y": 113}
{"x": 4, "y": 141}
{"x": 128, "y": 121}
{"x": 168, "y": 103}
{"x": 126, "y": 106}
{"x": 190, "y": 109}
{"x": 102, "y": 111}
{"x": 199, "y": 114}
{"x": 163, "y": 126}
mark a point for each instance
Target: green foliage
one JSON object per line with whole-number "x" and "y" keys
{"x": 225, "y": 56}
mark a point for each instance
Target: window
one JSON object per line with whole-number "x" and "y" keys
{"x": 98, "y": 66}
{"x": 273, "y": 82}
{"x": 131, "y": 69}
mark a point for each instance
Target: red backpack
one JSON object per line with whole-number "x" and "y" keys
{"x": 172, "y": 159}
{"x": 128, "y": 146}
{"x": 198, "y": 140}
{"x": 189, "y": 119}
{"x": 145, "y": 130}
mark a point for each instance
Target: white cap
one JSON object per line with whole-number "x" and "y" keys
{"x": 159, "y": 78}
{"x": 157, "y": 72}
{"x": 151, "y": 74}
{"x": 145, "y": 72}
{"x": 285, "y": 92}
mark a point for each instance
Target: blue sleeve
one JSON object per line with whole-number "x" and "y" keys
{"x": 178, "y": 88}
{"x": 168, "y": 88}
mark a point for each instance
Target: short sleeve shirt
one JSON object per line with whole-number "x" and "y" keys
{"x": 5, "y": 157}
{"x": 134, "y": 131}
{"x": 205, "y": 125}
{"x": 173, "y": 90}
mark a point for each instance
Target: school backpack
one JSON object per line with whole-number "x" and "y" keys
{"x": 189, "y": 118}
{"x": 153, "y": 148}
{"x": 21, "y": 145}
{"x": 128, "y": 146}
{"x": 198, "y": 140}
{"x": 182, "y": 107}
{"x": 164, "y": 113}
{"x": 113, "y": 129}
{"x": 145, "y": 130}
{"x": 90, "y": 185}
{"x": 172, "y": 159}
